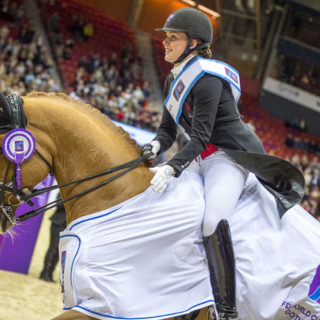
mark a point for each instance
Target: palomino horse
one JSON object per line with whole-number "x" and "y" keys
{"x": 76, "y": 140}
{"x": 277, "y": 261}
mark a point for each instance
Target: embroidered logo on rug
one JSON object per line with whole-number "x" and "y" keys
{"x": 314, "y": 291}
{"x": 231, "y": 75}
{"x": 178, "y": 90}
{"x": 63, "y": 266}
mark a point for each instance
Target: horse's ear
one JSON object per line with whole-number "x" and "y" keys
{"x": 4, "y": 110}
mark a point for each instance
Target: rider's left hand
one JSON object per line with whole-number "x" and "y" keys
{"x": 162, "y": 176}
{"x": 153, "y": 147}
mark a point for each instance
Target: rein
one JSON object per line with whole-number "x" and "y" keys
{"x": 26, "y": 197}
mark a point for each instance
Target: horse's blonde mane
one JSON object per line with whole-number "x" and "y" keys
{"x": 93, "y": 111}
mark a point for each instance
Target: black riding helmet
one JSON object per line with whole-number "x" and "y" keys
{"x": 194, "y": 23}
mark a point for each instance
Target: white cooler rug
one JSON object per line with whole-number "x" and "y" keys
{"x": 278, "y": 273}
{"x": 144, "y": 258}
{"x": 139, "y": 260}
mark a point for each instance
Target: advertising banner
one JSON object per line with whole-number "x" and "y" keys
{"x": 16, "y": 252}
{"x": 292, "y": 93}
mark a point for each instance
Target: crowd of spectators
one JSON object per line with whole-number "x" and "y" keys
{"x": 304, "y": 144}
{"x": 303, "y": 27}
{"x": 110, "y": 82}
{"x": 296, "y": 72}
{"x": 297, "y": 139}
{"x": 311, "y": 171}
{"x": 81, "y": 29}
{"x": 297, "y": 123}
{"x": 116, "y": 89}
{"x": 24, "y": 64}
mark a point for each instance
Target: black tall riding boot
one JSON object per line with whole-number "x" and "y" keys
{"x": 46, "y": 273}
{"x": 222, "y": 271}
{"x": 50, "y": 262}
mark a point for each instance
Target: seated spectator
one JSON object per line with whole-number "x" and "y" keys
{"x": 289, "y": 141}
{"x": 138, "y": 95}
{"x": 26, "y": 34}
{"x": 119, "y": 115}
{"x": 4, "y": 32}
{"x": 296, "y": 160}
{"x": 66, "y": 53}
{"x": 314, "y": 200}
{"x": 306, "y": 205}
{"x": 315, "y": 182}
{"x": 76, "y": 27}
{"x": 304, "y": 163}
{"x": 88, "y": 31}
{"x": 303, "y": 125}
{"x": 54, "y": 23}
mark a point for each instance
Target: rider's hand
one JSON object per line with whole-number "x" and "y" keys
{"x": 153, "y": 147}
{"x": 161, "y": 178}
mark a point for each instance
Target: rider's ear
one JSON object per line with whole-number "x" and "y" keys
{"x": 194, "y": 43}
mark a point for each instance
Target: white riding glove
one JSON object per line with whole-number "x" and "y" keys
{"x": 153, "y": 147}
{"x": 162, "y": 176}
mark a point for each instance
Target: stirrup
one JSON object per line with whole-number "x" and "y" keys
{"x": 225, "y": 316}
{"x": 190, "y": 316}
{"x": 215, "y": 315}
{"x": 227, "y": 313}
{"x": 212, "y": 313}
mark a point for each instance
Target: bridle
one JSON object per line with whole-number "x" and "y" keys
{"x": 20, "y": 195}
{"x": 17, "y": 119}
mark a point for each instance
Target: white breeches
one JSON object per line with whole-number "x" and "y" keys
{"x": 223, "y": 181}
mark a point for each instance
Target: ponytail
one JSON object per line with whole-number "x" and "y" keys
{"x": 204, "y": 52}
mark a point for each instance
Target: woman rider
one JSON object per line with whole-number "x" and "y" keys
{"x": 201, "y": 99}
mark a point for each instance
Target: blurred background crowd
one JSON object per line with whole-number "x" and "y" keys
{"x": 71, "y": 46}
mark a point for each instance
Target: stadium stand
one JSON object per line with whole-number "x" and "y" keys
{"x": 24, "y": 65}
{"x": 107, "y": 74}
{"x": 98, "y": 68}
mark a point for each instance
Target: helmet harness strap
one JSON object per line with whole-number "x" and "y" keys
{"x": 187, "y": 51}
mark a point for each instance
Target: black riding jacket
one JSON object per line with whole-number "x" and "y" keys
{"x": 210, "y": 115}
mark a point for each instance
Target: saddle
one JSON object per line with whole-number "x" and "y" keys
{"x": 12, "y": 115}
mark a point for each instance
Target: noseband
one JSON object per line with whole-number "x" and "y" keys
{"x": 12, "y": 116}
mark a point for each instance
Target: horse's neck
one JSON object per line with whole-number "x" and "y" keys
{"x": 85, "y": 146}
